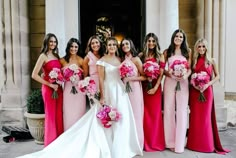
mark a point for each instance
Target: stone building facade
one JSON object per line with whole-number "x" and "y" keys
{"x": 25, "y": 22}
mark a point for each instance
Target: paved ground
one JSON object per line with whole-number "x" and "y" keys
{"x": 228, "y": 139}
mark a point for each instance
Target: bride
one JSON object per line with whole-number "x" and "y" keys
{"x": 87, "y": 138}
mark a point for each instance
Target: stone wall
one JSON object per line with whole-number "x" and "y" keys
{"x": 15, "y": 76}
{"x": 37, "y": 32}
{"x": 187, "y": 20}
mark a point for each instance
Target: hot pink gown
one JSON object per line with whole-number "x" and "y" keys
{"x": 153, "y": 121}
{"x": 203, "y": 133}
{"x": 53, "y": 107}
{"x": 74, "y": 105}
{"x": 136, "y": 99}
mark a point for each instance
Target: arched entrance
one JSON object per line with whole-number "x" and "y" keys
{"x": 126, "y": 17}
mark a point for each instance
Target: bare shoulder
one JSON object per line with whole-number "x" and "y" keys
{"x": 43, "y": 58}
{"x": 213, "y": 61}
{"x": 136, "y": 59}
{"x": 189, "y": 51}
{"x": 62, "y": 61}
{"x": 140, "y": 54}
{"x": 118, "y": 58}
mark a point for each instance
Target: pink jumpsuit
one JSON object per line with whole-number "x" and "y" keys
{"x": 175, "y": 110}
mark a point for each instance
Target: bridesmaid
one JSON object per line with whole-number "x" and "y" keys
{"x": 74, "y": 105}
{"x": 48, "y": 60}
{"x": 153, "y": 121}
{"x": 129, "y": 55}
{"x": 176, "y": 102}
{"x": 203, "y": 133}
{"x": 95, "y": 50}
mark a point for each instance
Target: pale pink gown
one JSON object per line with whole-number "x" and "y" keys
{"x": 74, "y": 105}
{"x": 93, "y": 73}
{"x": 136, "y": 99}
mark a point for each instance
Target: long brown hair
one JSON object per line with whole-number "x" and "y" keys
{"x": 45, "y": 48}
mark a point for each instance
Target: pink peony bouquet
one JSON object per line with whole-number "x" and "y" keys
{"x": 126, "y": 70}
{"x": 88, "y": 87}
{"x": 152, "y": 71}
{"x": 108, "y": 115}
{"x": 200, "y": 80}
{"x": 56, "y": 77}
{"x": 179, "y": 68}
{"x": 73, "y": 74}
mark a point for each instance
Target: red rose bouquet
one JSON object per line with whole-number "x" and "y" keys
{"x": 179, "y": 68}
{"x": 108, "y": 115}
{"x": 56, "y": 77}
{"x": 152, "y": 71}
{"x": 200, "y": 80}
{"x": 73, "y": 74}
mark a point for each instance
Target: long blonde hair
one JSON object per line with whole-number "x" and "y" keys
{"x": 208, "y": 60}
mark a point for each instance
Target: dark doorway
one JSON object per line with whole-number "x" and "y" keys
{"x": 125, "y": 16}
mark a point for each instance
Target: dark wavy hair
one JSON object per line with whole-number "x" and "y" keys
{"x": 184, "y": 46}
{"x": 133, "y": 50}
{"x": 46, "y": 41}
{"x": 69, "y": 44}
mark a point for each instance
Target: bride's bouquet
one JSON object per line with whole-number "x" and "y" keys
{"x": 56, "y": 77}
{"x": 152, "y": 71}
{"x": 108, "y": 115}
{"x": 200, "y": 80}
{"x": 179, "y": 69}
{"x": 73, "y": 74}
{"x": 88, "y": 87}
{"x": 126, "y": 70}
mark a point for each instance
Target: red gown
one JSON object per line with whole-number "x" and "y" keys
{"x": 53, "y": 107}
{"x": 203, "y": 133}
{"x": 153, "y": 121}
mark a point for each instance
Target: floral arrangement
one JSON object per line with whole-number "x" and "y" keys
{"x": 200, "y": 80}
{"x": 73, "y": 74}
{"x": 126, "y": 70}
{"x": 88, "y": 87}
{"x": 152, "y": 71}
{"x": 179, "y": 69}
{"x": 108, "y": 115}
{"x": 56, "y": 77}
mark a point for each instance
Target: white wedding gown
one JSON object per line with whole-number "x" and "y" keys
{"x": 87, "y": 138}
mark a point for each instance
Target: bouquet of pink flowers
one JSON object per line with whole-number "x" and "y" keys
{"x": 126, "y": 70}
{"x": 108, "y": 115}
{"x": 56, "y": 77}
{"x": 73, "y": 74}
{"x": 88, "y": 87}
{"x": 152, "y": 71}
{"x": 179, "y": 69}
{"x": 200, "y": 80}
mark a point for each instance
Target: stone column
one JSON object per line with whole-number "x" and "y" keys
{"x": 222, "y": 44}
{"x": 16, "y": 50}
{"x": 2, "y": 60}
{"x": 209, "y": 16}
{"x": 153, "y": 16}
{"x": 169, "y": 21}
{"x": 62, "y": 19}
{"x": 200, "y": 19}
{"x": 162, "y": 18}
{"x": 208, "y": 24}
